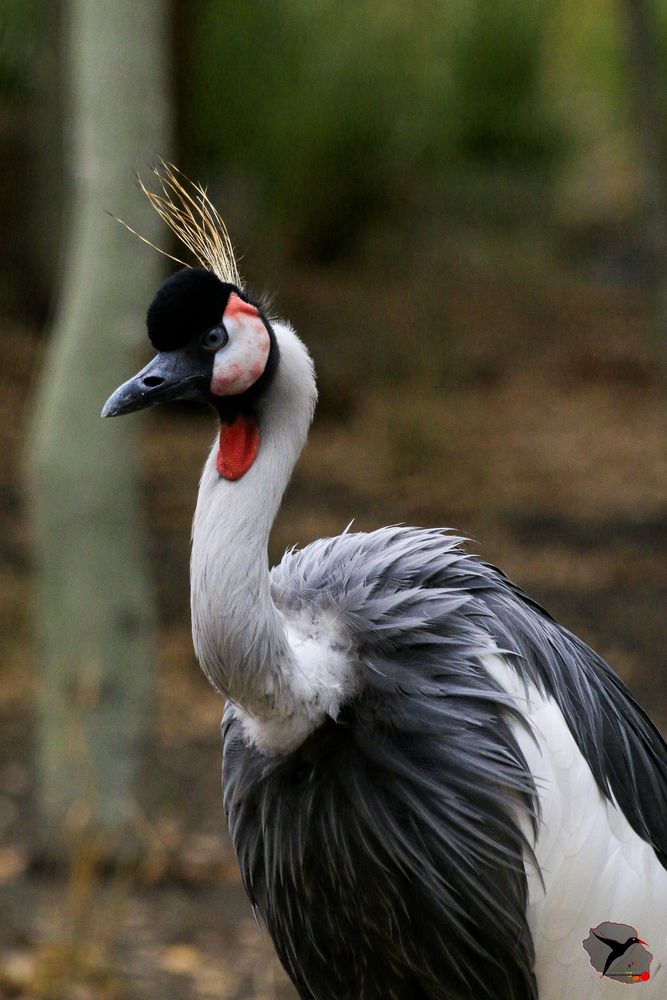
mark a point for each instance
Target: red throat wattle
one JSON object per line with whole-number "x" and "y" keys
{"x": 239, "y": 443}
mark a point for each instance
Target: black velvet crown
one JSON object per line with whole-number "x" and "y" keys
{"x": 188, "y": 303}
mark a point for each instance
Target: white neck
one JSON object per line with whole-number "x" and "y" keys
{"x": 239, "y": 636}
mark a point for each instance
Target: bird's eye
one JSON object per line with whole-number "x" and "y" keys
{"x": 214, "y": 339}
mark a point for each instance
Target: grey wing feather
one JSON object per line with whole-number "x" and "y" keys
{"x": 626, "y": 753}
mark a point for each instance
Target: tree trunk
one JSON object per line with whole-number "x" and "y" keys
{"x": 94, "y": 610}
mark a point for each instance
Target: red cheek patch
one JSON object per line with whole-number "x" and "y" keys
{"x": 237, "y": 307}
{"x": 239, "y": 444}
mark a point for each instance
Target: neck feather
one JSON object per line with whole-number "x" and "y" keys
{"x": 239, "y": 635}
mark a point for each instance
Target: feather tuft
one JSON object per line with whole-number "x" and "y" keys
{"x": 188, "y": 211}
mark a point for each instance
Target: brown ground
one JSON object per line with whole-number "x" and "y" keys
{"x": 493, "y": 393}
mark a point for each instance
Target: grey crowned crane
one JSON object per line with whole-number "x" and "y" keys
{"x": 433, "y": 789}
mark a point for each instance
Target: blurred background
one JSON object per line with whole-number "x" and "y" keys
{"x": 461, "y": 208}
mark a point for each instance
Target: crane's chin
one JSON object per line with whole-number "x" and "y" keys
{"x": 170, "y": 375}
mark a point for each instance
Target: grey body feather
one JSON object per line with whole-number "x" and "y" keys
{"x": 385, "y": 853}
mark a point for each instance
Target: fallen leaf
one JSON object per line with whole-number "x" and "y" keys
{"x": 181, "y": 959}
{"x": 13, "y": 862}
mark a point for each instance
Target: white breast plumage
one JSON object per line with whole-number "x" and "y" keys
{"x": 322, "y": 676}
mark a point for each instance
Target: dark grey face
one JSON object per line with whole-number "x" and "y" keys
{"x": 182, "y": 374}
{"x": 213, "y": 343}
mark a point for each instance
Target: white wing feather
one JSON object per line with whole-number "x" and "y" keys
{"x": 595, "y": 867}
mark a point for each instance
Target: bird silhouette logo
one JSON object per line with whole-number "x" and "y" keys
{"x": 616, "y": 952}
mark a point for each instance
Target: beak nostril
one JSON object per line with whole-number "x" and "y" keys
{"x": 152, "y": 381}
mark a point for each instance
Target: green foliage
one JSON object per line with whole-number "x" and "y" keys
{"x": 499, "y": 100}
{"x": 17, "y": 45}
{"x": 331, "y": 112}
{"x": 325, "y": 115}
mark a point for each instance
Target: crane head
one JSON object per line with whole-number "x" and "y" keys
{"x": 213, "y": 344}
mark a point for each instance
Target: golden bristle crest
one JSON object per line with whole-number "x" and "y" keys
{"x": 189, "y": 212}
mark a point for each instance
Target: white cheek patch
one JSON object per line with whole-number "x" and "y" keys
{"x": 240, "y": 363}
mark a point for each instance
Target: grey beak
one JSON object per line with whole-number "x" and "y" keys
{"x": 170, "y": 375}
